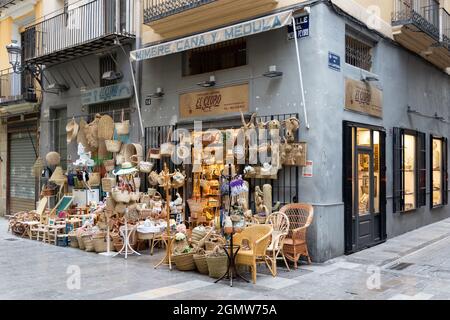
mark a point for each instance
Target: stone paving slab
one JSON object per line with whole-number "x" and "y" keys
{"x": 34, "y": 270}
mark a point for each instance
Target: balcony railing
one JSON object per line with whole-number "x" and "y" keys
{"x": 4, "y": 4}
{"x": 424, "y": 14}
{"x": 159, "y": 9}
{"x": 16, "y": 87}
{"x": 445, "y": 28}
{"x": 78, "y": 27}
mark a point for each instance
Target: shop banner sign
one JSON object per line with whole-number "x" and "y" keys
{"x": 363, "y": 98}
{"x": 114, "y": 92}
{"x": 240, "y": 30}
{"x": 302, "y": 24}
{"x": 215, "y": 102}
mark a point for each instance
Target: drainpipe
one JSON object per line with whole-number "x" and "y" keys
{"x": 118, "y": 16}
{"x": 138, "y": 74}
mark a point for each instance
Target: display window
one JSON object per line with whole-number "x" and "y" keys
{"x": 439, "y": 176}
{"x": 409, "y": 170}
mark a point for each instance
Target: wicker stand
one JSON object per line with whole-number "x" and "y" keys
{"x": 168, "y": 239}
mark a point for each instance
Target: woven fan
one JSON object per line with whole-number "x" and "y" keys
{"x": 105, "y": 132}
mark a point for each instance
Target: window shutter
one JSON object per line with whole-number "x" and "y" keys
{"x": 398, "y": 194}
{"x": 421, "y": 170}
{"x": 445, "y": 171}
{"x": 382, "y": 156}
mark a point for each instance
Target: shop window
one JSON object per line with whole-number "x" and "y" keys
{"x": 409, "y": 170}
{"x": 358, "y": 51}
{"x": 439, "y": 175}
{"x": 224, "y": 55}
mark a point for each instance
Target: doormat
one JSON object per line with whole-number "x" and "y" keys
{"x": 401, "y": 266}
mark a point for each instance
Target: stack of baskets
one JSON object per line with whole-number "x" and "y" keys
{"x": 73, "y": 241}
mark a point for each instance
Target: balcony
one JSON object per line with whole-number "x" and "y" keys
{"x": 5, "y": 4}
{"x": 79, "y": 31}
{"x": 16, "y": 88}
{"x": 171, "y": 18}
{"x": 422, "y": 27}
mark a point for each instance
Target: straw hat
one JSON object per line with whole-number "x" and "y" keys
{"x": 72, "y": 130}
{"x": 81, "y": 137}
{"x": 127, "y": 168}
{"x": 58, "y": 176}
{"x": 53, "y": 158}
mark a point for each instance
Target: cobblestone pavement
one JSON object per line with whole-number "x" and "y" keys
{"x": 412, "y": 266}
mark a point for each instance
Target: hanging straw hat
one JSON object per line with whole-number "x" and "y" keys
{"x": 127, "y": 168}
{"x": 58, "y": 177}
{"x": 53, "y": 158}
{"x": 72, "y": 130}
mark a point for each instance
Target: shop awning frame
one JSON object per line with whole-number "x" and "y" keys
{"x": 243, "y": 29}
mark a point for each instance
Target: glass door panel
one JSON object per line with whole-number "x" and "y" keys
{"x": 409, "y": 168}
{"x": 364, "y": 185}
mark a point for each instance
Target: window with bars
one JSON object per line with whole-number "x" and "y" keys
{"x": 409, "y": 170}
{"x": 224, "y": 55}
{"x": 358, "y": 52}
{"x": 114, "y": 109}
{"x": 107, "y": 63}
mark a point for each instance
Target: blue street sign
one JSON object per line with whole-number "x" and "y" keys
{"x": 334, "y": 61}
{"x": 302, "y": 24}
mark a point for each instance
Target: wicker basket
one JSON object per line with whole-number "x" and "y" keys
{"x": 201, "y": 264}
{"x": 100, "y": 245}
{"x": 217, "y": 265}
{"x": 73, "y": 241}
{"x": 109, "y": 165}
{"x": 197, "y": 206}
{"x": 88, "y": 243}
{"x": 121, "y": 196}
{"x": 80, "y": 242}
{"x": 184, "y": 262}
{"x": 135, "y": 196}
{"x": 94, "y": 179}
{"x": 108, "y": 184}
{"x": 47, "y": 192}
{"x": 113, "y": 145}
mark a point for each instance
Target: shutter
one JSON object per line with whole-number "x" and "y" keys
{"x": 383, "y": 182}
{"x": 398, "y": 193}
{"x": 421, "y": 170}
{"x": 347, "y": 185}
{"x": 445, "y": 171}
{"x": 22, "y": 193}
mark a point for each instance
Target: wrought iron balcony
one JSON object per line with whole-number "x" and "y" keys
{"x": 422, "y": 27}
{"x": 159, "y": 9}
{"x": 419, "y": 13}
{"x": 445, "y": 28}
{"x": 79, "y": 31}
{"x": 5, "y": 4}
{"x": 16, "y": 88}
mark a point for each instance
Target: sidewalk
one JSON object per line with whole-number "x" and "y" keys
{"x": 412, "y": 266}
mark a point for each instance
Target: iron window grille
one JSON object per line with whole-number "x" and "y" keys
{"x": 159, "y": 9}
{"x": 107, "y": 63}
{"x": 358, "y": 53}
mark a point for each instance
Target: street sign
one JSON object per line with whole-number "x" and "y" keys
{"x": 334, "y": 61}
{"x": 302, "y": 24}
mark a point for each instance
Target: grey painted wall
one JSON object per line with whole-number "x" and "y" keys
{"x": 76, "y": 76}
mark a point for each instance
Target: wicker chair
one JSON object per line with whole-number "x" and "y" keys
{"x": 258, "y": 237}
{"x": 280, "y": 223}
{"x": 300, "y": 218}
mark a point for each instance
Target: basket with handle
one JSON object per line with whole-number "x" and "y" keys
{"x": 109, "y": 165}
{"x": 73, "y": 241}
{"x": 108, "y": 183}
{"x": 122, "y": 127}
{"x": 113, "y": 145}
{"x": 184, "y": 261}
{"x": 217, "y": 263}
{"x": 200, "y": 262}
{"x": 167, "y": 148}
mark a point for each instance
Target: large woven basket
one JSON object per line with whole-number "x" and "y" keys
{"x": 88, "y": 243}
{"x": 184, "y": 262}
{"x": 108, "y": 184}
{"x": 101, "y": 245}
{"x": 73, "y": 241}
{"x": 217, "y": 265}
{"x": 80, "y": 242}
{"x": 94, "y": 179}
{"x": 201, "y": 263}
{"x": 113, "y": 145}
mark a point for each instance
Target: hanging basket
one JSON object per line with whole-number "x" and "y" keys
{"x": 94, "y": 179}
{"x": 122, "y": 127}
{"x": 109, "y": 165}
{"x": 184, "y": 262}
{"x": 108, "y": 184}
{"x": 121, "y": 196}
{"x": 113, "y": 145}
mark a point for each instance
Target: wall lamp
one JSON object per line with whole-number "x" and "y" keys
{"x": 369, "y": 79}
{"x": 273, "y": 73}
{"x": 158, "y": 94}
{"x": 207, "y": 84}
{"x": 15, "y": 59}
